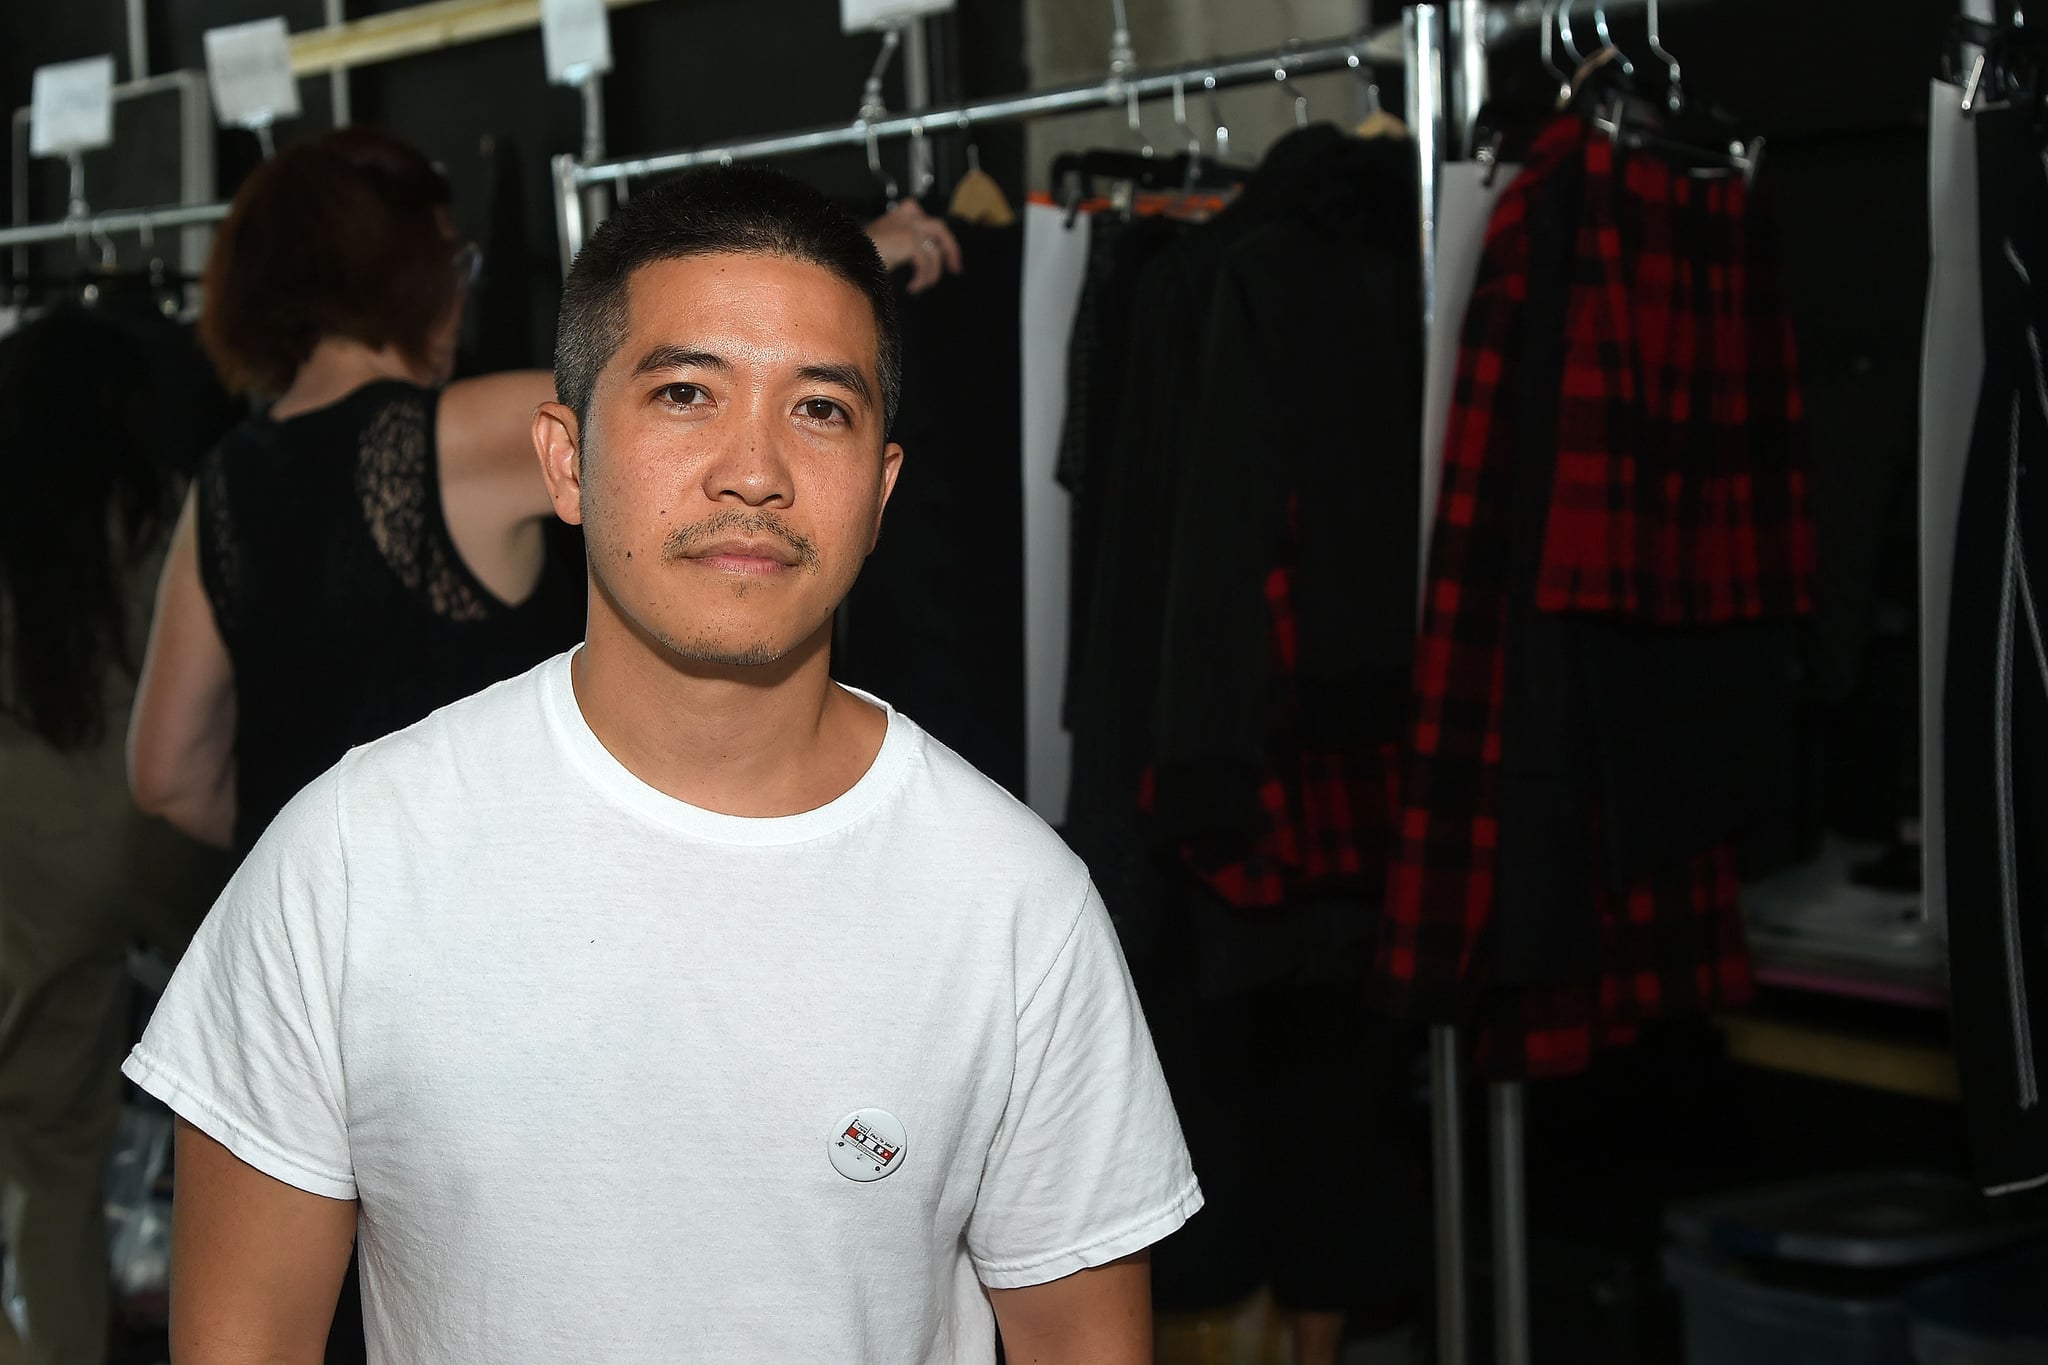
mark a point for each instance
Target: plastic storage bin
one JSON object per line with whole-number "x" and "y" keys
{"x": 1993, "y": 1312}
{"x": 1733, "y": 1319}
{"x": 1818, "y": 1270}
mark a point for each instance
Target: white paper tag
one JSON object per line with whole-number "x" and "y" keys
{"x": 72, "y": 107}
{"x": 857, "y": 16}
{"x": 250, "y": 69}
{"x": 576, "y": 36}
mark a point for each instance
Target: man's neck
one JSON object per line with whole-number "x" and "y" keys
{"x": 776, "y": 739}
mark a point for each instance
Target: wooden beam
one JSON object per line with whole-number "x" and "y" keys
{"x": 413, "y": 30}
{"x": 1914, "y": 1069}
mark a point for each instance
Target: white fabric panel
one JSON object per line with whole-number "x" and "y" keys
{"x": 1055, "y": 263}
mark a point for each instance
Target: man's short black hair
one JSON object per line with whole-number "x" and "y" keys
{"x": 745, "y": 209}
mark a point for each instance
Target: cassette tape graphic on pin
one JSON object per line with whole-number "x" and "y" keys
{"x": 868, "y": 1146}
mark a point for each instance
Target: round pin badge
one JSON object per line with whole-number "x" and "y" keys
{"x": 867, "y": 1145}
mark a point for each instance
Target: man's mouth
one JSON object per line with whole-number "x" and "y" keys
{"x": 745, "y": 554}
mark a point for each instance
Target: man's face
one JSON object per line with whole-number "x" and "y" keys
{"x": 731, "y": 476}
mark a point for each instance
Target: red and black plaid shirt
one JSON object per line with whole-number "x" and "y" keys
{"x": 1697, "y": 526}
{"x": 1680, "y": 495}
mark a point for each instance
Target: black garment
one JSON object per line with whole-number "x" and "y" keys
{"x": 1111, "y": 706}
{"x": 1995, "y": 726}
{"x": 1267, "y": 416}
{"x": 346, "y": 609}
{"x": 935, "y": 623}
{"x": 1308, "y": 417}
{"x": 1300, "y": 1113}
{"x": 1097, "y": 359}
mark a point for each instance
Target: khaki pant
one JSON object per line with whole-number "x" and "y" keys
{"x": 82, "y": 876}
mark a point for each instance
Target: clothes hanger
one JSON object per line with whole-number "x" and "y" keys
{"x": 1377, "y": 121}
{"x": 1286, "y": 79}
{"x": 873, "y": 106}
{"x": 1706, "y": 142}
{"x": 978, "y": 198}
{"x": 1074, "y": 173}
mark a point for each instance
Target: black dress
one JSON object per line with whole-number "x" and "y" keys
{"x": 346, "y": 610}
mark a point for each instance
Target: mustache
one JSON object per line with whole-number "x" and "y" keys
{"x": 685, "y": 540}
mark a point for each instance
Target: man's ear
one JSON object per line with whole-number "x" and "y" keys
{"x": 892, "y": 465}
{"x": 558, "y": 442}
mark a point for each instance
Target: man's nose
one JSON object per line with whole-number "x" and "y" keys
{"x": 751, "y": 467}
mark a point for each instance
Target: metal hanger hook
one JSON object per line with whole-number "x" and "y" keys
{"x": 1676, "y": 97}
{"x": 1628, "y": 68}
{"x": 1133, "y": 122}
{"x": 1368, "y": 76}
{"x": 1190, "y": 139}
{"x": 1286, "y": 78}
{"x": 1216, "y": 116}
{"x": 889, "y": 187}
{"x": 1564, "y": 31}
{"x": 1547, "y": 48}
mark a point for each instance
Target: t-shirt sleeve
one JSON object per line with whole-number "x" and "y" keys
{"x": 1088, "y": 1164}
{"x": 246, "y": 1043}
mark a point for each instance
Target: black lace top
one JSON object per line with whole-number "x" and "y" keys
{"x": 346, "y": 610}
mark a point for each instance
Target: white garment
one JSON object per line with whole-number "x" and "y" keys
{"x": 582, "y": 1050}
{"x": 1951, "y": 372}
{"x": 1055, "y": 266}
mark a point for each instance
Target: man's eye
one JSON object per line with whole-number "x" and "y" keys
{"x": 683, "y": 395}
{"x": 823, "y": 410}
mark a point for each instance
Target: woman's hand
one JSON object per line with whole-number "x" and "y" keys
{"x": 907, "y": 235}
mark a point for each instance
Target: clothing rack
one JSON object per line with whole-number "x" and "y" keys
{"x": 1382, "y": 46}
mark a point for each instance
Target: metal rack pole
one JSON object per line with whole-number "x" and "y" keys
{"x": 1448, "y": 1166}
{"x": 1332, "y": 55}
{"x": 569, "y": 226}
{"x": 596, "y": 203}
{"x": 1423, "y": 51}
{"x": 1510, "y": 1225}
{"x": 1466, "y": 88}
{"x": 117, "y": 220}
{"x": 336, "y": 14}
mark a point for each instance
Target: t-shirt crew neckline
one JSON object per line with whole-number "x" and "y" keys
{"x": 619, "y": 783}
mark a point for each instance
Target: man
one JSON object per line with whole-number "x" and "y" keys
{"x": 670, "y": 1002}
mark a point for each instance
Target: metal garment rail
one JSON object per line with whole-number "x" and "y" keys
{"x": 1362, "y": 52}
{"x": 113, "y": 221}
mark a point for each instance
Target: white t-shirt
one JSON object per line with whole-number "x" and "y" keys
{"x": 592, "y": 1058}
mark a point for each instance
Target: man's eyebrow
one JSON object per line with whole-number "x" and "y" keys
{"x": 849, "y": 377}
{"x": 678, "y": 358}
